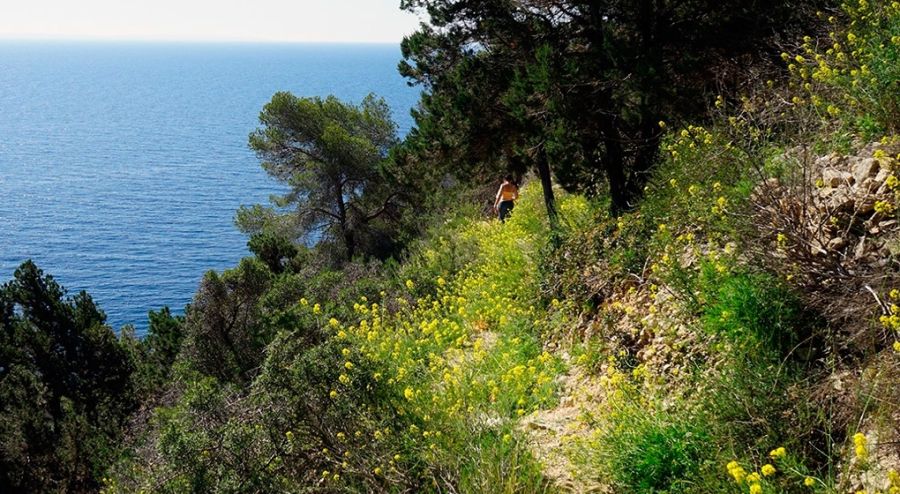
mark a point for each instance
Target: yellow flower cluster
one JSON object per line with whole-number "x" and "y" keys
{"x": 736, "y": 471}
{"x": 468, "y": 350}
{"x": 891, "y": 321}
{"x": 884, "y": 208}
{"x": 893, "y": 481}
{"x": 763, "y": 480}
{"x": 849, "y": 70}
{"x": 860, "y": 448}
{"x": 688, "y": 140}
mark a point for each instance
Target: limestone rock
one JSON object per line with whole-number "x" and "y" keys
{"x": 832, "y": 160}
{"x": 882, "y": 175}
{"x": 840, "y": 201}
{"x": 865, "y": 168}
{"x": 869, "y": 186}
{"x": 836, "y": 178}
{"x": 866, "y": 205}
{"x": 860, "y": 250}
{"x": 837, "y": 243}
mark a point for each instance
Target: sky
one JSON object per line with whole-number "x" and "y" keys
{"x": 351, "y": 21}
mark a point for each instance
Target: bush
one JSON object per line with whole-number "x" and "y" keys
{"x": 274, "y": 250}
{"x": 756, "y": 309}
{"x": 640, "y": 444}
{"x": 66, "y": 387}
{"x": 853, "y": 76}
{"x": 225, "y": 337}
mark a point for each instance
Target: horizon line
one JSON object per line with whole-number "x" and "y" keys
{"x": 77, "y": 39}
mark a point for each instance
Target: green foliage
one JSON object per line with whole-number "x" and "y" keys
{"x": 274, "y": 250}
{"x": 755, "y": 307}
{"x": 333, "y": 156}
{"x": 156, "y": 352}
{"x": 658, "y": 456}
{"x": 852, "y": 75}
{"x": 640, "y": 444}
{"x": 497, "y": 465}
{"x": 225, "y": 336}
{"x": 65, "y": 387}
{"x": 581, "y": 85}
{"x": 291, "y": 431}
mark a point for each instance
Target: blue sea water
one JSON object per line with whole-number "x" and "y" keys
{"x": 122, "y": 164}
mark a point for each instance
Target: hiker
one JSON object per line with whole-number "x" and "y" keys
{"x": 506, "y": 196}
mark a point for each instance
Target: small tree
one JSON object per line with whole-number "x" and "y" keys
{"x": 225, "y": 336}
{"x": 66, "y": 387}
{"x": 332, "y": 155}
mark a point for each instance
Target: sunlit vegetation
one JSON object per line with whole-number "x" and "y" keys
{"x": 736, "y": 329}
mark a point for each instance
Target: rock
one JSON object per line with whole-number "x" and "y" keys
{"x": 836, "y": 178}
{"x": 532, "y": 425}
{"x": 831, "y": 160}
{"x": 840, "y": 202}
{"x": 816, "y": 247}
{"x": 860, "y": 251}
{"x": 869, "y": 149}
{"x": 865, "y": 168}
{"x": 825, "y": 192}
{"x": 868, "y": 185}
{"x": 866, "y": 205}
{"x": 837, "y": 243}
{"x": 882, "y": 175}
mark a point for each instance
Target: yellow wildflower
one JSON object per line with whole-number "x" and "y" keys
{"x": 859, "y": 441}
{"x": 736, "y": 471}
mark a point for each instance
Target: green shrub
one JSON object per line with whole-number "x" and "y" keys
{"x": 642, "y": 445}
{"x": 755, "y": 308}
{"x": 852, "y": 75}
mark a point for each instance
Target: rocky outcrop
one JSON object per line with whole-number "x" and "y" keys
{"x": 841, "y": 210}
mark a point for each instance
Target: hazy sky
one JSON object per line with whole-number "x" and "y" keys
{"x": 212, "y": 20}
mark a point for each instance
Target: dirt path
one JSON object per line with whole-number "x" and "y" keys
{"x": 551, "y": 431}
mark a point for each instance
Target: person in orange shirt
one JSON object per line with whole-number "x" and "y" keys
{"x": 506, "y": 198}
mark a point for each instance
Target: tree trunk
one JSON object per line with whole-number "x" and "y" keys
{"x": 645, "y": 157}
{"x": 543, "y": 167}
{"x": 613, "y": 163}
{"x": 349, "y": 244}
{"x": 343, "y": 220}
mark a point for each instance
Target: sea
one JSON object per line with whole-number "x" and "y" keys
{"x": 122, "y": 163}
